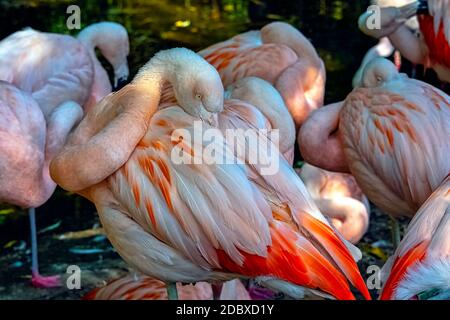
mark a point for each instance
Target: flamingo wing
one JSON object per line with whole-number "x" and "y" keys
{"x": 396, "y": 139}
{"x": 292, "y": 207}
{"x": 435, "y": 28}
{"x": 427, "y": 239}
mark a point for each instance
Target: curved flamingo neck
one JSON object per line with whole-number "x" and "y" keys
{"x": 269, "y": 102}
{"x": 281, "y": 120}
{"x": 89, "y": 37}
{"x": 320, "y": 142}
{"x": 302, "y": 87}
{"x": 291, "y": 37}
{"x": 101, "y": 84}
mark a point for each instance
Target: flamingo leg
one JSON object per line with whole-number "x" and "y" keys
{"x": 37, "y": 280}
{"x": 217, "y": 290}
{"x": 172, "y": 292}
{"x": 395, "y": 230}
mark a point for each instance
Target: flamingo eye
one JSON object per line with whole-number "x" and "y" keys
{"x": 379, "y": 79}
{"x": 198, "y": 96}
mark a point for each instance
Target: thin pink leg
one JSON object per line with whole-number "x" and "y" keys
{"x": 37, "y": 280}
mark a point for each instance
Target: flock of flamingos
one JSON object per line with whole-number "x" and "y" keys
{"x": 206, "y": 225}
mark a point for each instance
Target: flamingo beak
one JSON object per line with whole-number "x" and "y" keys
{"x": 120, "y": 83}
{"x": 423, "y": 7}
{"x": 121, "y": 74}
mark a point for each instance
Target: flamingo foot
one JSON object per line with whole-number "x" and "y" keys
{"x": 39, "y": 281}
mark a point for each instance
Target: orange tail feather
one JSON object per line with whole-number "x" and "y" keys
{"x": 400, "y": 267}
{"x": 294, "y": 259}
{"x": 339, "y": 252}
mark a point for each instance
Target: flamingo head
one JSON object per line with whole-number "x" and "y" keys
{"x": 112, "y": 40}
{"x": 198, "y": 87}
{"x": 378, "y": 72}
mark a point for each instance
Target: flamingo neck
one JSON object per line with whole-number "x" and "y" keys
{"x": 276, "y": 113}
{"x": 281, "y": 120}
{"x": 320, "y": 142}
{"x": 89, "y": 37}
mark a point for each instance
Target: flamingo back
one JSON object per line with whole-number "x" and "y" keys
{"x": 22, "y": 143}
{"x": 396, "y": 139}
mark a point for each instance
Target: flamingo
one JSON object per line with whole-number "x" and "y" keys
{"x": 139, "y": 287}
{"x": 420, "y": 268}
{"x": 432, "y": 48}
{"x": 61, "y": 72}
{"x": 279, "y": 54}
{"x": 196, "y": 222}
{"x": 391, "y": 133}
{"x": 340, "y": 199}
{"x": 55, "y": 68}
{"x": 27, "y": 145}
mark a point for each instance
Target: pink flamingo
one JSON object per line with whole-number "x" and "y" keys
{"x": 196, "y": 222}
{"x": 391, "y": 133}
{"x": 420, "y": 268}
{"x": 340, "y": 199}
{"x": 27, "y": 145}
{"x": 279, "y": 54}
{"x": 432, "y": 48}
{"x": 68, "y": 68}
{"x": 55, "y": 69}
{"x": 139, "y": 287}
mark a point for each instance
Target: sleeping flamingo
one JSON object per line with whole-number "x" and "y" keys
{"x": 279, "y": 54}
{"x": 392, "y": 133}
{"x": 139, "y": 287}
{"x": 420, "y": 268}
{"x": 340, "y": 199}
{"x": 55, "y": 69}
{"x": 432, "y": 48}
{"x": 27, "y": 145}
{"x": 181, "y": 222}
